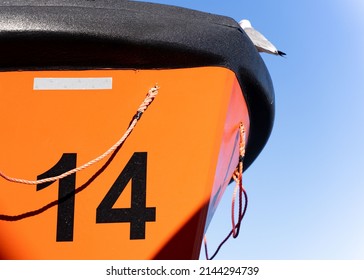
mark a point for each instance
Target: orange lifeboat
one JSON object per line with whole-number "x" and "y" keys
{"x": 72, "y": 77}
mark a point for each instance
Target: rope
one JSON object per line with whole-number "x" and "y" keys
{"x": 143, "y": 106}
{"x": 238, "y": 178}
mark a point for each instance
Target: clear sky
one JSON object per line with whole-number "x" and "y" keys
{"x": 306, "y": 189}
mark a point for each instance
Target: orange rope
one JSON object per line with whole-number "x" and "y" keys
{"x": 238, "y": 178}
{"x": 147, "y": 101}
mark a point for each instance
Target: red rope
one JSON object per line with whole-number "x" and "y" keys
{"x": 239, "y": 188}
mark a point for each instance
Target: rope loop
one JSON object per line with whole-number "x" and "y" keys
{"x": 238, "y": 189}
{"x": 143, "y": 106}
{"x": 238, "y": 178}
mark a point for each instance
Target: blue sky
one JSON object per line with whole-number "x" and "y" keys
{"x": 306, "y": 189}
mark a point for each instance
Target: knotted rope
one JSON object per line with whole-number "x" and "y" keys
{"x": 143, "y": 106}
{"x": 239, "y": 188}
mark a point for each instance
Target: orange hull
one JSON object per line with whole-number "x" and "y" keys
{"x": 186, "y": 140}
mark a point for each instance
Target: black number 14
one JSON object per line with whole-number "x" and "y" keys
{"x": 137, "y": 215}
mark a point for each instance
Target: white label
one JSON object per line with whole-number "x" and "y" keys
{"x": 72, "y": 83}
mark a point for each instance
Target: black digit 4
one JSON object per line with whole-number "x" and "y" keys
{"x": 138, "y": 214}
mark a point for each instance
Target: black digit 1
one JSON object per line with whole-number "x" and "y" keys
{"x": 138, "y": 214}
{"x": 66, "y": 195}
